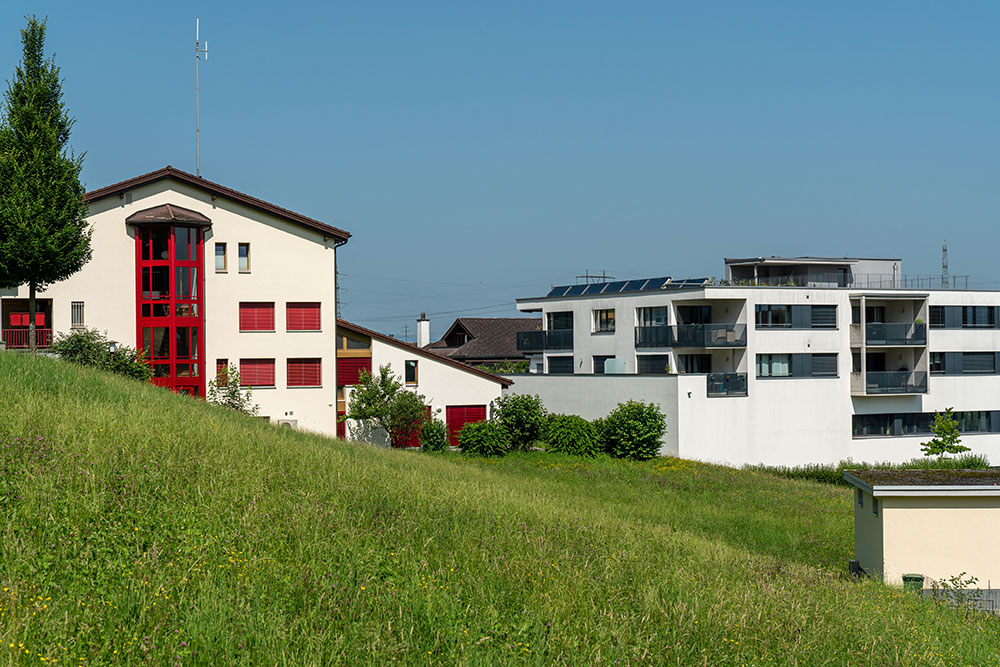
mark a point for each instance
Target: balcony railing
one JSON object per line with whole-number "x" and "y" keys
{"x": 538, "y": 341}
{"x": 727, "y": 384}
{"x": 896, "y": 382}
{"x": 19, "y": 337}
{"x": 653, "y": 336}
{"x": 895, "y": 333}
{"x": 708, "y": 335}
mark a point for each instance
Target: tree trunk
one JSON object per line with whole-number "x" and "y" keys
{"x": 31, "y": 317}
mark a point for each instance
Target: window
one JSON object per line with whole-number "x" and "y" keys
{"x": 977, "y": 316}
{"x": 937, "y": 363}
{"x": 76, "y": 314}
{"x": 599, "y": 363}
{"x": 773, "y": 365}
{"x": 604, "y": 321}
{"x": 652, "y": 363}
{"x": 651, "y": 317}
{"x": 304, "y": 373}
{"x": 872, "y": 425}
{"x": 855, "y": 362}
{"x": 560, "y": 365}
{"x": 979, "y": 363}
{"x": 221, "y": 370}
{"x": 244, "y": 257}
{"x": 257, "y": 372}
{"x": 824, "y": 365}
{"x": 918, "y": 423}
{"x": 874, "y": 506}
{"x": 874, "y": 314}
{"x": 824, "y": 317}
{"x": 855, "y": 314}
{"x": 559, "y": 321}
{"x": 936, "y": 317}
{"x": 302, "y": 316}
{"x": 859, "y": 497}
{"x": 695, "y": 363}
{"x": 768, "y": 316}
{"x": 410, "y": 371}
{"x": 220, "y": 257}
{"x": 256, "y": 316}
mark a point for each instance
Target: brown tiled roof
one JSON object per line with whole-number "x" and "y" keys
{"x": 424, "y": 352}
{"x": 167, "y": 213}
{"x": 219, "y": 190}
{"x": 489, "y": 337}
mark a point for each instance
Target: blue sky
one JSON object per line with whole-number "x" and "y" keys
{"x": 479, "y": 152}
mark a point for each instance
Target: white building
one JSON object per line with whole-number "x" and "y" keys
{"x": 201, "y": 276}
{"x": 851, "y": 364}
{"x": 456, "y": 393}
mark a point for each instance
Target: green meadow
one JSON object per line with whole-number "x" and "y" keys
{"x": 142, "y": 527}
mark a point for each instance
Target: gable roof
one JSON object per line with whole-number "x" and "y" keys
{"x": 220, "y": 190}
{"x": 489, "y": 337}
{"x": 429, "y": 354}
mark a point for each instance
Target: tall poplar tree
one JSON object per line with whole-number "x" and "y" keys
{"x": 44, "y": 235}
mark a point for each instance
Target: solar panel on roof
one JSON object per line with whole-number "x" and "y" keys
{"x": 615, "y": 287}
{"x": 576, "y": 290}
{"x": 557, "y": 291}
{"x": 656, "y": 283}
{"x": 594, "y": 288}
{"x": 634, "y": 285}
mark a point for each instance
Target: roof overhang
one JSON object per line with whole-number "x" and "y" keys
{"x": 922, "y": 490}
{"x": 894, "y": 295}
{"x": 216, "y": 190}
{"x": 169, "y": 214}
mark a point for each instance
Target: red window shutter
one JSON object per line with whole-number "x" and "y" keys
{"x": 257, "y": 372}
{"x": 305, "y": 372}
{"x": 302, "y": 316}
{"x": 39, "y": 319}
{"x": 349, "y": 370}
{"x": 256, "y": 316}
{"x": 15, "y": 319}
{"x": 458, "y": 416}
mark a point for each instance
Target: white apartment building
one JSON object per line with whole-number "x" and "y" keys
{"x": 788, "y": 361}
{"x": 201, "y": 276}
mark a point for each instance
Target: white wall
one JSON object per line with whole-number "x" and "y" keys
{"x": 441, "y": 384}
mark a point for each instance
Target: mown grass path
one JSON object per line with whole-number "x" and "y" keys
{"x": 141, "y": 527}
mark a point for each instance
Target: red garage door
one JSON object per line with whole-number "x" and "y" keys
{"x": 458, "y": 416}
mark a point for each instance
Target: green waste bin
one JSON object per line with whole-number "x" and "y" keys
{"x": 913, "y": 582}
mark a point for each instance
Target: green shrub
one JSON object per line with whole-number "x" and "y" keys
{"x": 226, "y": 389}
{"x": 434, "y": 435}
{"x": 633, "y": 431}
{"x": 523, "y": 417}
{"x": 600, "y": 426}
{"x": 569, "y": 434}
{"x": 483, "y": 439}
{"x": 89, "y": 347}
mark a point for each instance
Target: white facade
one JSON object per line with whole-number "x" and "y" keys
{"x": 289, "y": 262}
{"x": 453, "y": 390}
{"x": 795, "y": 392}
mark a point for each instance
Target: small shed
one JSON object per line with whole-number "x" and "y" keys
{"x": 937, "y": 523}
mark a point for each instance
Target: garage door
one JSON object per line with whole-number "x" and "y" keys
{"x": 458, "y": 416}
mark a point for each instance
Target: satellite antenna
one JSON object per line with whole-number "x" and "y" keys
{"x": 198, "y": 50}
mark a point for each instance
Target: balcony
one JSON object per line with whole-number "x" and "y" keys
{"x": 895, "y": 333}
{"x": 17, "y": 338}
{"x": 653, "y": 336}
{"x": 708, "y": 335}
{"x": 890, "y": 382}
{"x": 726, "y": 384}
{"x": 539, "y": 341}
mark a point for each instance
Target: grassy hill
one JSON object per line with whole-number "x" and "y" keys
{"x": 140, "y": 526}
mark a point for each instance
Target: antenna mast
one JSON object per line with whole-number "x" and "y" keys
{"x": 945, "y": 282}
{"x": 198, "y": 50}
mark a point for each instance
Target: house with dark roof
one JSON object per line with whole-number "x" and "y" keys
{"x": 484, "y": 340}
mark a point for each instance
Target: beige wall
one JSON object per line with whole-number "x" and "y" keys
{"x": 940, "y": 537}
{"x": 287, "y": 263}
{"x": 868, "y": 544}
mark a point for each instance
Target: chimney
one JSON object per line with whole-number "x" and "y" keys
{"x": 423, "y": 331}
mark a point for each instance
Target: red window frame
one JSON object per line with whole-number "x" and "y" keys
{"x": 257, "y": 372}
{"x": 303, "y": 316}
{"x": 304, "y": 372}
{"x": 256, "y": 316}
